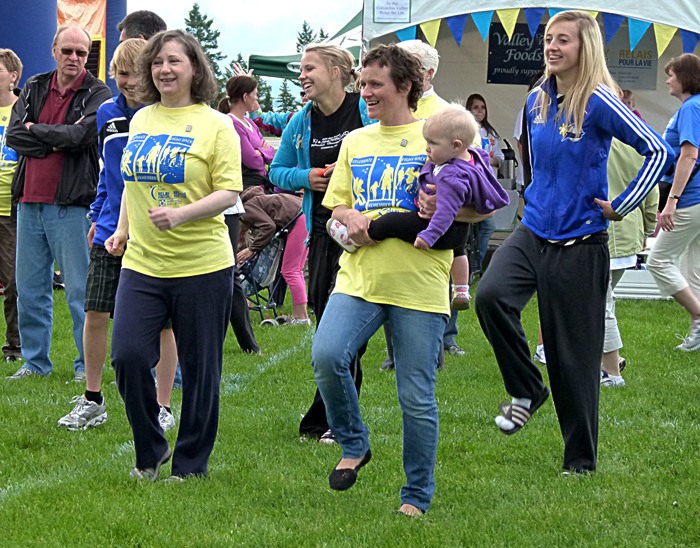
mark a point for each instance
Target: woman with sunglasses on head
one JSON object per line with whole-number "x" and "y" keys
{"x": 305, "y": 161}
{"x": 181, "y": 170}
{"x": 560, "y": 250}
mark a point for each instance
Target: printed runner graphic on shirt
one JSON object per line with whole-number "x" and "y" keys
{"x": 155, "y": 159}
{"x": 386, "y": 182}
{"x": 7, "y": 154}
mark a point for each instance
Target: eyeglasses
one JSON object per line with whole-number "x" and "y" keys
{"x": 70, "y": 51}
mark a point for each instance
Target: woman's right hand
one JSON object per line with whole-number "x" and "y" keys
{"x": 116, "y": 243}
{"x": 666, "y": 216}
{"x": 318, "y": 183}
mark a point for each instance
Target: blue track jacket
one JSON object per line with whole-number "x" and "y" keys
{"x": 113, "y": 119}
{"x": 569, "y": 172}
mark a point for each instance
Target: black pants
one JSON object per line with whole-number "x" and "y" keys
{"x": 324, "y": 255}
{"x": 406, "y": 226}
{"x": 240, "y": 313}
{"x": 199, "y": 307}
{"x": 571, "y": 283}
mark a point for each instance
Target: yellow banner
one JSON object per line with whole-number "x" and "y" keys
{"x": 663, "y": 34}
{"x": 431, "y": 29}
{"x": 508, "y": 19}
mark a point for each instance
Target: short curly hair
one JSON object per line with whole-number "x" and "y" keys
{"x": 404, "y": 69}
{"x": 204, "y": 86}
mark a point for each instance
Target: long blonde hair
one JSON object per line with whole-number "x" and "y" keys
{"x": 592, "y": 70}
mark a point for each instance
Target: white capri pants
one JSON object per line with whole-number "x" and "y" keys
{"x": 664, "y": 262}
{"x": 613, "y": 340}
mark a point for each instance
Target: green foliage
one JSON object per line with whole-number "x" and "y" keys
{"x": 286, "y": 101}
{"x": 305, "y": 36}
{"x": 200, "y": 26}
{"x": 264, "y": 89}
{"x": 266, "y": 488}
{"x": 322, "y": 35}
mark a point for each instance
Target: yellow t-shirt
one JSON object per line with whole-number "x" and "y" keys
{"x": 8, "y": 164}
{"x": 391, "y": 272}
{"x": 176, "y": 156}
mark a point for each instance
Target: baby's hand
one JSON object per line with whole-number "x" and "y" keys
{"x": 421, "y": 244}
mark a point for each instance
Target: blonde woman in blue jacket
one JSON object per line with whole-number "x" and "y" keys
{"x": 304, "y": 162}
{"x": 560, "y": 250}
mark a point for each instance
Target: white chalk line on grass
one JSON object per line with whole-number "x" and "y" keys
{"x": 233, "y": 383}
{"x": 123, "y": 450}
{"x": 230, "y": 384}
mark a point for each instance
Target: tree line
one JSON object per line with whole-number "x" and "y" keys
{"x": 202, "y": 28}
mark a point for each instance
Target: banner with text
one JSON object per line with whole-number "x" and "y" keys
{"x": 514, "y": 60}
{"x": 633, "y": 69}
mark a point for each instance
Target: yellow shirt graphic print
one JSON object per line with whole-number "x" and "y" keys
{"x": 155, "y": 159}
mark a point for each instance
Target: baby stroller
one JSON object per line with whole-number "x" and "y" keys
{"x": 260, "y": 276}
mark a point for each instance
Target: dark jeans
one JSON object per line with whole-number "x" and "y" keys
{"x": 324, "y": 255}
{"x": 199, "y": 307}
{"x": 571, "y": 284}
{"x": 240, "y": 313}
{"x": 8, "y": 239}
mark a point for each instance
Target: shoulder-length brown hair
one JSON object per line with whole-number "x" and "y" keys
{"x": 204, "y": 86}
{"x": 686, "y": 67}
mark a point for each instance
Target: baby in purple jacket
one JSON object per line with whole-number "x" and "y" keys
{"x": 462, "y": 177}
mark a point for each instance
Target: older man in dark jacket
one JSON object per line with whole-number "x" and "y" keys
{"x": 54, "y": 132}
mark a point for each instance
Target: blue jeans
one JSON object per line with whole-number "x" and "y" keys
{"x": 348, "y": 323}
{"x": 486, "y": 228}
{"x": 46, "y": 232}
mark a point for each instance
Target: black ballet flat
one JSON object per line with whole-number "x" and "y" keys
{"x": 345, "y": 478}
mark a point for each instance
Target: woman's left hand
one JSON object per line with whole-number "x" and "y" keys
{"x": 608, "y": 211}
{"x": 666, "y": 216}
{"x": 165, "y": 218}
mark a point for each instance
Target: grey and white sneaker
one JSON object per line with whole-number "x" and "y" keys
{"x": 166, "y": 419}
{"x": 539, "y": 354}
{"x": 611, "y": 381}
{"x": 151, "y": 474}
{"x": 692, "y": 341}
{"x": 327, "y": 439}
{"x": 79, "y": 376}
{"x": 22, "y": 373}
{"x": 85, "y": 414}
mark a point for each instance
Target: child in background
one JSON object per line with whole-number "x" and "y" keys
{"x": 628, "y": 99}
{"x": 462, "y": 177}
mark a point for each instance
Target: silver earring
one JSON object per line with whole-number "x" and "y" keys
{"x": 12, "y": 86}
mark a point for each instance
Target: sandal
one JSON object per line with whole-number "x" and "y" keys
{"x": 519, "y": 415}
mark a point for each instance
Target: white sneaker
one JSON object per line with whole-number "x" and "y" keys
{"x": 22, "y": 373}
{"x": 299, "y": 321}
{"x": 166, "y": 419}
{"x": 539, "y": 354}
{"x": 692, "y": 341}
{"x": 327, "y": 439}
{"x": 339, "y": 232}
{"x": 609, "y": 381}
{"x": 84, "y": 415}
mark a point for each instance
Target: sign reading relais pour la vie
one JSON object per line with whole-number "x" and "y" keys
{"x": 633, "y": 69}
{"x": 515, "y": 60}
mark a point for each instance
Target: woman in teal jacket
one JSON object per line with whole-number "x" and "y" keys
{"x": 304, "y": 162}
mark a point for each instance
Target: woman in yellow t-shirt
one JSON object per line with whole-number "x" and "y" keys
{"x": 181, "y": 170}
{"x": 389, "y": 281}
{"x": 10, "y": 73}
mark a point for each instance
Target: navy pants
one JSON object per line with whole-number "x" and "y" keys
{"x": 199, "y": 307}
{"x": 571, "y": 284}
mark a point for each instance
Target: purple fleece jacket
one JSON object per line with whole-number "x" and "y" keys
{"x": 459, "y": 183}
{"x": 253, "y": 154}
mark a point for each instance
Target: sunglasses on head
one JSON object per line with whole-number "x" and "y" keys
{"x": 70, "y": 51}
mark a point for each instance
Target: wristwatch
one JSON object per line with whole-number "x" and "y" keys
{"x": 674, "y": 196}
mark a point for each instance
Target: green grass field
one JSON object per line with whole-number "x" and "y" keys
{"x": 267, "y": 488}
